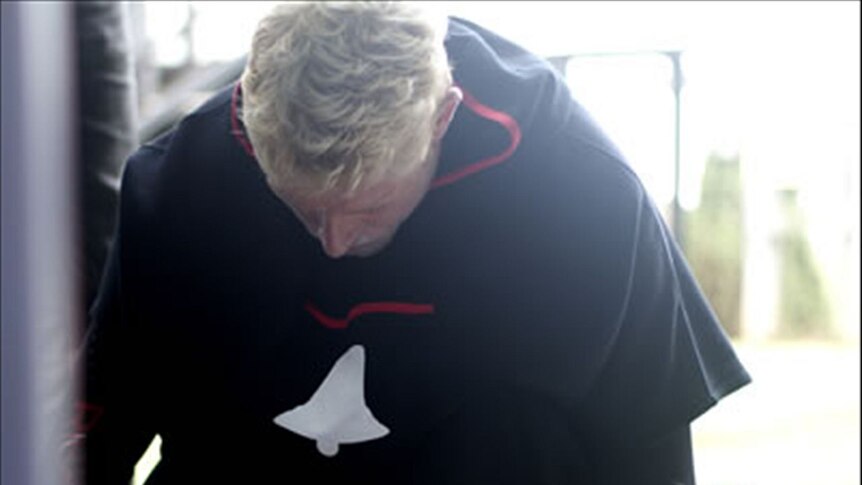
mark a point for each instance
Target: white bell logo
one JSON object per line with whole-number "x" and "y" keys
{"x": 337, "y": 414}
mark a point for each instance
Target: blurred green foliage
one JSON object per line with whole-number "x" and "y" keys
{"x": 803, "y": 310}
{"x": 714, "y": 248}
{"x": 713, "y": 240}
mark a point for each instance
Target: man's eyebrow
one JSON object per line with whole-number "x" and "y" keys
{"x": 379, "y": 202}
{"x": 374, "y": 208}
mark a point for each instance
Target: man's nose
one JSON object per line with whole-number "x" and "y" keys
{"x": 337, "y": 236}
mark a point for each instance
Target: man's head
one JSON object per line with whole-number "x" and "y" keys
{"x": 345, "y": 105}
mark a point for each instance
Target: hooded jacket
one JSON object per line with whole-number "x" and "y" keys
{"x": 532, "y": 321}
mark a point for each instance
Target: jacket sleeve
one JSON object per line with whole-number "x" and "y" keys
{"x": 670, "y": 362}
{"x": 115, "y": 425}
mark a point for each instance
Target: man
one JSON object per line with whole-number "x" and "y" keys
{"x": 396, "y": 252}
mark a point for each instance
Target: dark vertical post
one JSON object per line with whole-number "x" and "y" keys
{"x": 677, "y": 217}
{"x": 107, "y": 108}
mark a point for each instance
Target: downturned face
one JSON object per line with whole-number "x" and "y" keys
{"x": 365, "y": 221}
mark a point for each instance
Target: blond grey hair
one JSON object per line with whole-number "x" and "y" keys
{"x": 335, "y": 92}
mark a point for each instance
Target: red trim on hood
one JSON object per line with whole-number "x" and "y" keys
{"x": 508, "y": 122}
{"x": 89, "y": 416}
{"x": 365, "y": 308}
{"x": 235, "y": 128}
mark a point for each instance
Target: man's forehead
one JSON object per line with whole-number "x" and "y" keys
{"x": 367, "y": 193}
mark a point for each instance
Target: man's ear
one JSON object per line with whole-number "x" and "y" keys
{"x": 447, "y": 111}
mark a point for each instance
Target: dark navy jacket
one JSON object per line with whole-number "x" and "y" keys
{"x": 532, "y": 322}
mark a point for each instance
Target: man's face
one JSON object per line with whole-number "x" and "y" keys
{"x": 365, "y": 221}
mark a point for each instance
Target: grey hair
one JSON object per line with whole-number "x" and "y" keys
{"x": 333, "y": 91}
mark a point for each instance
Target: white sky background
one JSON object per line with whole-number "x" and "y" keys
{"x": 781, "y": 76}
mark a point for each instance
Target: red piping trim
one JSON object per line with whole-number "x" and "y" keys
{"x": 235, "y": 128}
{"x": 89, "y": 416}
{"x": 508, "y": 122}
{"x": 366, "y": 308}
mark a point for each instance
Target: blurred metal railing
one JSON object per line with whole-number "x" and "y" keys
{"x": 676, "y": 220}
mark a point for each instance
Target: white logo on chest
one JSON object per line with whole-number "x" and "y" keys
{"x": 337, "y": 414}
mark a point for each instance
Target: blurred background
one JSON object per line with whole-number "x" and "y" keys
{"x": 741, "y": 118}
